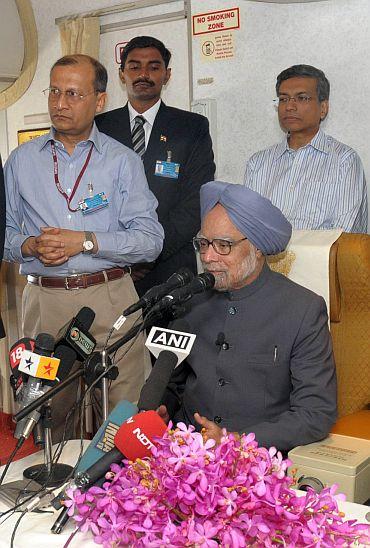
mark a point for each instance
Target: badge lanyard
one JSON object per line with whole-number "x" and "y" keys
{"x": 56, "y": 178}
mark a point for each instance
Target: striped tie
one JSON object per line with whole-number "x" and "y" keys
{"x": 138, "y": 136}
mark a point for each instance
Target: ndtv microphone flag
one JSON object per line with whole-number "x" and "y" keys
{"x": 178, "y": 342}
{"x": 41, "y": 367}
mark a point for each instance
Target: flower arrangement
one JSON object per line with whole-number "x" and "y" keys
{"x": 195, "y": 494}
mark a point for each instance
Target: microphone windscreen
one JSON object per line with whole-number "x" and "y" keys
{"x": 44, "y": 344}
{"x": 135, "y": 437}
{"x": 67, "y": 358}
{"x": 15, "y": 353}
{"x": 180, "y": 278}
{"x": 205, "y": 281}
{"x": 86, "y": 317}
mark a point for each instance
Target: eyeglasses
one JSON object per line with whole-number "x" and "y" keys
{"x": 222, "y": 247}
{"x": 70, "y": 95}
{"x": 301, "y": 99}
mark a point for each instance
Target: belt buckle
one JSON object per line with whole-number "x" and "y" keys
{"x": 66, "y": 284}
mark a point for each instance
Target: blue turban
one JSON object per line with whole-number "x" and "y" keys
{"x": 253, "y": 215}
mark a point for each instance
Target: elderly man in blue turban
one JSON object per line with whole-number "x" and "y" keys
{"x": 262, "y": 361}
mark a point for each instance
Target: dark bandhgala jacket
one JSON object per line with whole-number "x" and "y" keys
{"x": 186, "y": 136}
{"x": 2, "y": 229}
{"x": 274, "y": 374}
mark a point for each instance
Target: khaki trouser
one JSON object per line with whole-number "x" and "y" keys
{"x": 46, "y": 310}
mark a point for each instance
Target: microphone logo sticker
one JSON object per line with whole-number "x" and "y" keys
{"x": 178, "y": 342}
{"x": 143, "y": 438}
{"x": 41, "y": 367}
{"x": 172, "y": 340}
{"x": 106, "y": 443}
{"x": 82, "y": 341}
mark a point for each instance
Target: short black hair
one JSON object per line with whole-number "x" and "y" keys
{"x": 145, "y": 42}
{"x": 306, "y": 71}
{"x": 101, "y": 75}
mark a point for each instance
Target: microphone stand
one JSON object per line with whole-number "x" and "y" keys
{"x": 39, "y": 475}
{"x": 46, "y": 474}
{"x": 104, "y": 362}
{"x": 16, "y": 491}
{"x": 148, "y": 322}
{"x": 47, "y": 396}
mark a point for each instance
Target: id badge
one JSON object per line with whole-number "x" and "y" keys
{"x": 94, "y": 203}
{"x": 167, "y": 169}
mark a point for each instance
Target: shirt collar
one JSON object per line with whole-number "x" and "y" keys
{"x": 319, "y": 142}
{"x": 247, "y": 290}
{"x": 149, "y": 114}
{"x": 94, "y": 138}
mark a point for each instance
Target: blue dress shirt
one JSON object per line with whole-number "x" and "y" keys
{"x": 319, "y": 186}
{"x": 127, "y": 230}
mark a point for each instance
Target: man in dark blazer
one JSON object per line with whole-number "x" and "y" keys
{"x": 178, "y": 156}
{"x": 2, "y": 230}
{"x": 262, "y": 360}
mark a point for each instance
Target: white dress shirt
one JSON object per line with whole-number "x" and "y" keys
{"x": 149, "y": 116}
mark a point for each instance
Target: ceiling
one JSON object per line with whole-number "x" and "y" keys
{"x": 11, "y": 43}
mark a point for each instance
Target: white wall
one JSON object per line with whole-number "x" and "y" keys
{"x": 333, "y": 35}
{"x": 46, "y": 11}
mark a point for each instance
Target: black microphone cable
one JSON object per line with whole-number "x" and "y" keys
{"x": 10, "y": 459}
{"x": 55, "y": 459}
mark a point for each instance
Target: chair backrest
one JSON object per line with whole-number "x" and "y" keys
{"x": 349, "y": 276}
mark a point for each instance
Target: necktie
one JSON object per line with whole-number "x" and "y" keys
{"x": 138, "y": 136}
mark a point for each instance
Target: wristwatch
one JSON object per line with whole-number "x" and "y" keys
{"x": 88, "y": 244}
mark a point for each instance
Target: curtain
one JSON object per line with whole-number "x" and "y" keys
{"x": 12, "y": 285}
{"x": 80, "y": 35}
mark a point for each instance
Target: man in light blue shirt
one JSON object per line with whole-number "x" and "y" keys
{"x": 316, "y": 181}
{"x": 79, "y": 213}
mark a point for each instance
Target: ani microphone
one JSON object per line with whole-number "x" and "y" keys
{"x": 170, "y": 347}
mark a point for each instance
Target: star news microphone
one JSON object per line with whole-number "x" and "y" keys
{"x": 37, "y": 387}
{"x": 178, "y": 279}
{"x": 76, "y": 335}
{"x": 133, "y": 440}
{"x": 199, "y": 284}
{"x": 44, "y": 346}
{"x": 170, "y": 347}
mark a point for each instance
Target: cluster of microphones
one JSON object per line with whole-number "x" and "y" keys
{"x": 39, "y": 366}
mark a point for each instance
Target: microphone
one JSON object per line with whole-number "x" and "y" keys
{"x": 36, "y": 388}
{"x": 102, "y": 443}
{"x": 199, "y": 284}
{"x": 178, "y": 279}
{"x": 170, "y": 347}
{"x": 15, "y": 355}
{"x": 133, "y": 440}
{"x": 76, "y": 335}
{"x": 221, "y": 342}
{"x": 44, "y": 345}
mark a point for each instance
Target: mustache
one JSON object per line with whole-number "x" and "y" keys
{"x": 144, "y": 81}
